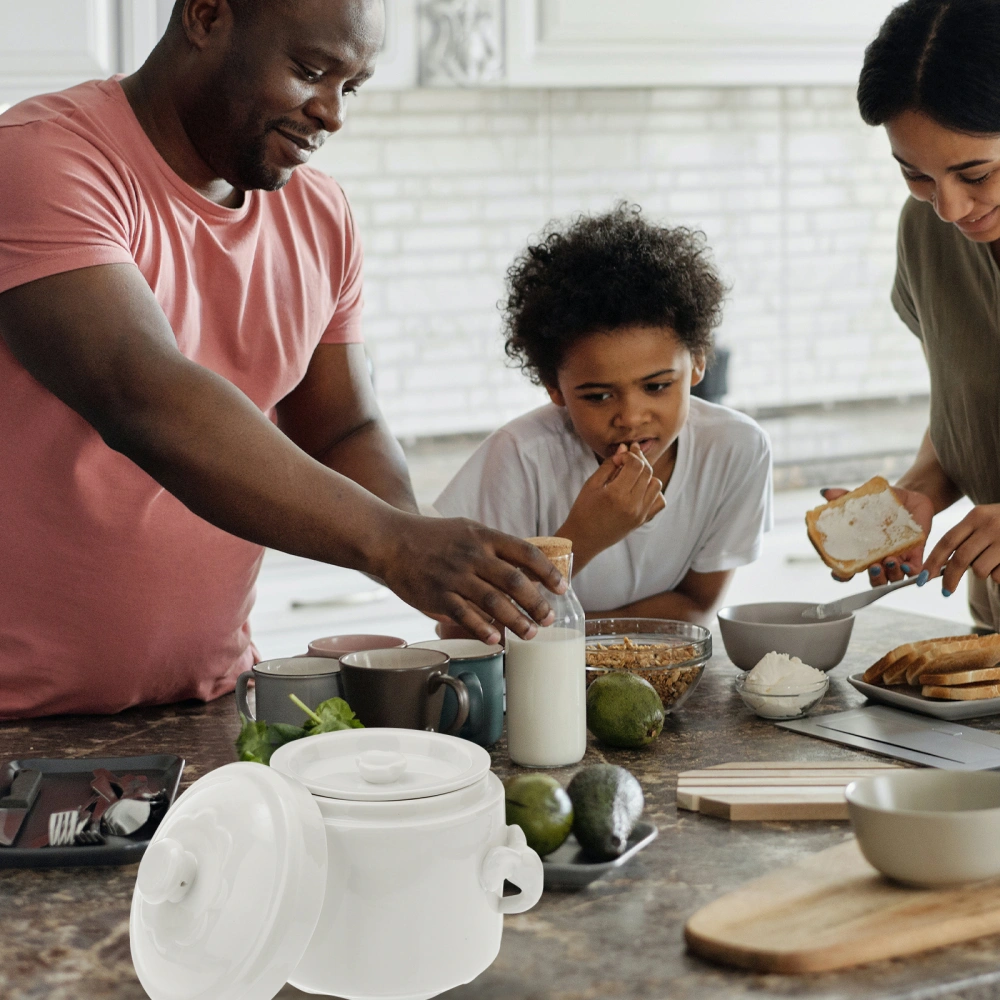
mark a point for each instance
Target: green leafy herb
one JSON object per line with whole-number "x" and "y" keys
{"x": 258, "y": 740}
{"x": 329, "y": 717}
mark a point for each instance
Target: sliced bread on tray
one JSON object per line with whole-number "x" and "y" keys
{"x": 961, "y": 677}
{"x": 891, "y": 662}
{"x": 862, "y": 527}
{"x": 975, "y": 652}
{"x": 961, "y": 692}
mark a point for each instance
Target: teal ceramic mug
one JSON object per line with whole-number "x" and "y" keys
{"x": 480, "y": 667}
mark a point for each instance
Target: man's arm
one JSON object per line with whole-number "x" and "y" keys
{"x": 98, "y": 340}
{"x": 695, "y": 599}
{"x": 333, "y": 416}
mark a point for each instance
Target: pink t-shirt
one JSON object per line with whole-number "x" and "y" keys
{"x": 112, "y": 593}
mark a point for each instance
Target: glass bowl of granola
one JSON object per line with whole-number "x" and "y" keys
{"x": 671, "y": 655}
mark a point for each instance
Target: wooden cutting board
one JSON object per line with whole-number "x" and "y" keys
{"x": 833, "y": 911}
{"x": 773, "y": 790}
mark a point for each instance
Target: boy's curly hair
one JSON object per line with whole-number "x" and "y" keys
{"x": 601, "y": 274}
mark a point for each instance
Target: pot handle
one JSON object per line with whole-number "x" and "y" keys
{"x": 517, "y": 863}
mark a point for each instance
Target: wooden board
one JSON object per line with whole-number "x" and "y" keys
{"x": 773, "y": 790}
{"x": 833, "y": 911}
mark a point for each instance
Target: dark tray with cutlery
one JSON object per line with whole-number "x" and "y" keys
{"x": 32, "y": 790}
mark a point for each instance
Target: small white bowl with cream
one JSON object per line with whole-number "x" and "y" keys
{"x": 781, "y": 687}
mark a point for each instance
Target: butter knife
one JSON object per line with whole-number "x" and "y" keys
{"x": 848, "y": 604}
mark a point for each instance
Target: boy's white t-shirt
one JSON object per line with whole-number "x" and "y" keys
{"x": 524, "y": 478}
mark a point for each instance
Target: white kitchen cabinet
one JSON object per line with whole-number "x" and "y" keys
{"x": 50, "y": 44}
{"x": 594, "y": 43}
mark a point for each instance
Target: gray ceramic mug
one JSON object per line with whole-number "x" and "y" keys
{"x": 312, "y": 679}
{"x": 401, "y": 688}
{"x": 480, "y": 667}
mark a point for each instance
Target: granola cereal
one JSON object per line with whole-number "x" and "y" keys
{"x": 646, "y": 660}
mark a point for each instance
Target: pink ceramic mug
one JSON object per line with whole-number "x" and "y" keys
{"x": 336, "y": 646}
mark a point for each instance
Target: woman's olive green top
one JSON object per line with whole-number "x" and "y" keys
{"x": 947, "y": 291}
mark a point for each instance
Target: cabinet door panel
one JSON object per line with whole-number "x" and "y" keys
{"x": 677, "y": 42}
{"x": 50, "y": 44}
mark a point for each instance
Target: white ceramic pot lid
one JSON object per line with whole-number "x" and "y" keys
{"x": 381, "y": 765}
{"x": 230, "y": 889}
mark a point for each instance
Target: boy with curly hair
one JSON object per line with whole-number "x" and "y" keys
{"x": 664, "y": 495}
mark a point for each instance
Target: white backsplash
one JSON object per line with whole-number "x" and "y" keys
{"x": 798, "y": 198}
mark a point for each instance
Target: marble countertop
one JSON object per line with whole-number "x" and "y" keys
{"x": 64, "y": 932}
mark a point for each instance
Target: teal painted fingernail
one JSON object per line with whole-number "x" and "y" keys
{"x": 890, "y": 563}
{"x": 874, "y": 570}
{"x": 923, "y": 578}
{"x": 945, "y": 592}
{"x": 906, "y": 569}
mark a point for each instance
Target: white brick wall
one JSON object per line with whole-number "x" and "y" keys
{"x": 798, "y": 198}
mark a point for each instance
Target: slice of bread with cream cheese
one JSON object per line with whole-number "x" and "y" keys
{"x": 862, "y": 528}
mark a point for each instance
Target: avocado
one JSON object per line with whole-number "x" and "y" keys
{"x": 607, "y": 802}
{"x": 624, "y": 710}
{"x": 540, "y": 806}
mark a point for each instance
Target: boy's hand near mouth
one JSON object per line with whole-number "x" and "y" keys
{"x": 622, "y": 495}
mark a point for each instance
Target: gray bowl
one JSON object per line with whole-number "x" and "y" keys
{"x": 750, "y": 631}
{"x": 929, "y": 828}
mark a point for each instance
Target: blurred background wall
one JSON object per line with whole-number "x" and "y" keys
{"x": 798, "y": 198}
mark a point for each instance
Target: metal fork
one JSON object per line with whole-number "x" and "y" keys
{"x": 65, "y": 826}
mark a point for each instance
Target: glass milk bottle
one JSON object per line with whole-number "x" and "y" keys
{"x": 547, "y": 678}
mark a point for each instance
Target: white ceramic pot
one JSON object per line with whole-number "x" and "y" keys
{"x": 367, "y": 863}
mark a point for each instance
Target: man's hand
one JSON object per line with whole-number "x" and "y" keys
{"x": 619, "y": 497}
{"x": 458, "y": 571}
{"x": 909, "y": 563}
{"x": 974, "y": 543}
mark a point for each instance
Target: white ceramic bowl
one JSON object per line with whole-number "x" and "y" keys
{"x": 781, "y": 706}
{"x": 750, "y": 631}
{"x": 929, "y": 828}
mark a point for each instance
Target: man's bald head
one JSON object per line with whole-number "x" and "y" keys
{"x": 243, "y": 10}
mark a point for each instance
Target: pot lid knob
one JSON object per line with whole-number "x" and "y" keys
{"x": 168, "y": 874}
{"x": 380, "y": 767}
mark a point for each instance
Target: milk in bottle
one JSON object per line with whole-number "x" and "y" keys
{"x": 546, "y": 679}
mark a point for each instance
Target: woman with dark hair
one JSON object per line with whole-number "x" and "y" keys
{"x": 932, "y": 79}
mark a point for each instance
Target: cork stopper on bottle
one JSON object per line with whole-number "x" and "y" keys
{"x": 552, "y": 545}
{"x": 559, "y": 552}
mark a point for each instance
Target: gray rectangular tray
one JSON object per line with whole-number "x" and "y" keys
{"x": 912, "y": 700}
{"x": 66, "y": 783}
{"x": 568, "y": 867}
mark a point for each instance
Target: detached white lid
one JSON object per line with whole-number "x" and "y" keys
{"x": 382, "y": 765}
{"x": 230, "y": 889}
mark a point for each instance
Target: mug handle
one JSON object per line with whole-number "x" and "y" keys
{"x": 517, "y": 863}
{"x": 241, "y": 695}
{"x": 477, "y": 703}
{"x": 461, "y": 693}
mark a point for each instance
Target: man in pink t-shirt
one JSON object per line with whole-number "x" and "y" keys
{"x": 183, "y": 380}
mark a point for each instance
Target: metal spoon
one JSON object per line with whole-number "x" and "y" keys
{"x": 848, "y": 604}
{"x": 124, "y": 817}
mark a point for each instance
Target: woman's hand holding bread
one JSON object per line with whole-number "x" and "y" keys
{"x": 622, "y": 495}
{"x": 974, "y": 543}
{"x": 908, "y": 562}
